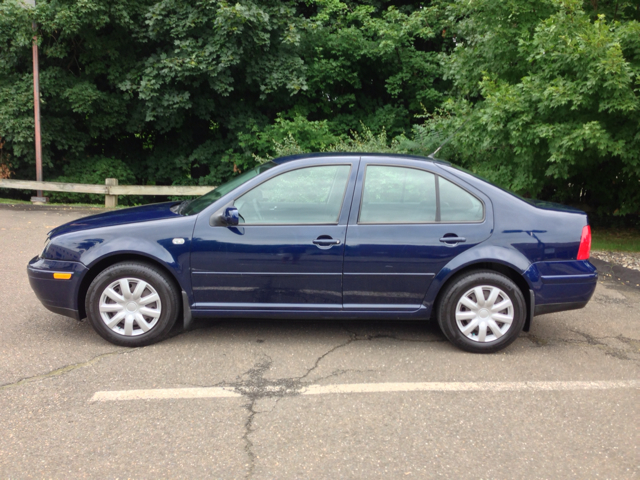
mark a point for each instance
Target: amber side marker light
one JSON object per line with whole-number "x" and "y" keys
{"x": 585, "y": 243}
{"x": 62, "y": 276}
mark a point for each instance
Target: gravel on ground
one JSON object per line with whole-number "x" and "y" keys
{"x": 625, "y": 259}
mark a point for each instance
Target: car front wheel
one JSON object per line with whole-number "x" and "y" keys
{"x": 132, "y": 304}
{"x": 482, "y": 311}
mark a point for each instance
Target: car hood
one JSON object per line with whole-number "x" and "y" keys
{"x": 145, "y": 213}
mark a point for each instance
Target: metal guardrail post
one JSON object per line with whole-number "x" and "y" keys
{"x": 110, "y": 201}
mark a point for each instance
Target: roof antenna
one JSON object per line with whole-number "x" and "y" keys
{"x": 448, "y": 139}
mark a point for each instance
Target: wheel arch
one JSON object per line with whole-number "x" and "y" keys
{"x": 507, "y": 270}
{"x": 107, "y": 261}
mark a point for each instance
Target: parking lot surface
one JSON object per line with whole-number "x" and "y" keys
{"x": 249, "y": 399}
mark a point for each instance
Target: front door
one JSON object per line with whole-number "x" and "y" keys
{"x": 406, "y": 224}
{"x": 288, "y": 249}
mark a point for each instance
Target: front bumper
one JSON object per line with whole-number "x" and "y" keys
{"x": 58, "y": 295}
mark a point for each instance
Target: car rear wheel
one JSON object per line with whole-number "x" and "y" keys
{"x": 132, "y": 304}
{"x": 482, "y": 311}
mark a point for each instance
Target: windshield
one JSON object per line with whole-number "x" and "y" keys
{"x": 199, "y": 204}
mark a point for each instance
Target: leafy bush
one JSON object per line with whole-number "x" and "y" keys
{"x": 94, "y": 171}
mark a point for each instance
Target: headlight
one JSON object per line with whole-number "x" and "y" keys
{"x": 46, "y": 244}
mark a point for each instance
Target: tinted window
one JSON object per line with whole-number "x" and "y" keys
{"x": 457, "y": 205}
{"x": 398, "y": 195}
{"x": 306, "y": 195}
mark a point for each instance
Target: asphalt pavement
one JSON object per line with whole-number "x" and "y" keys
{"x": 270, "y": 399}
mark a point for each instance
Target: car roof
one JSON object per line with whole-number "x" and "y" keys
{"x": 300, "y": 156}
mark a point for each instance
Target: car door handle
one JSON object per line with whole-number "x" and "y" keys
{"x": 453, "y": 239}
{"x": 326, "y": 241}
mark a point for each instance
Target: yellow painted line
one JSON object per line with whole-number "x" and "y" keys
{"x": 225, "y": 392}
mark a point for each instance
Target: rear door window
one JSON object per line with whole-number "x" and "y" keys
{"x": 398, "y": 195}
{"x": 394, "y": 194}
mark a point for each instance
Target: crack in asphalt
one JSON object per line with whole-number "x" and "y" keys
{"x": 253, "y": 386}
{"x": 635, "y": 344}
{"x": 63, "y": 370}
{"x": 608, "y": 300}
{"x": 256, "y": 387}
{"x": 352, "y": 338}
{"x": 608, "y": 349}
{"x": 68, "y": 368}
{"x": 250, "y": 389}
{"x": 590, "y": 340}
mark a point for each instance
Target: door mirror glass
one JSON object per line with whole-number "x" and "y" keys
{"x": 231, "y": 216}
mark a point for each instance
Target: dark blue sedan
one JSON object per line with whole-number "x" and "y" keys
{"x": 325, "y": 236}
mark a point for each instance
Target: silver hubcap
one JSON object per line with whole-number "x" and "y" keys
{"x": 484, "y": 313}
{"x": 130, "y": 307}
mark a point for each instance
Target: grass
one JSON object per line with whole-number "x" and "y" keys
{"x": 615, "y": 240}
{"x": 12, "y": 201}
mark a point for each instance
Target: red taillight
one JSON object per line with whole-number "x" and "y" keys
{"x": 585, "y": 243}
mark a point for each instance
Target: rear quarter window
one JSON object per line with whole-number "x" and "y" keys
{"x": 458, "y": 205}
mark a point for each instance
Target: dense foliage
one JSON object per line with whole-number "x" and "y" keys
{"x": 545, "y": 93}
{"x": 551, "y": 99}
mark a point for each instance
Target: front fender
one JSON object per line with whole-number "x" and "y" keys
{"x": 152, "y": 240}
{"x": 477, "y": 255}
{"x": 130, "y": 245}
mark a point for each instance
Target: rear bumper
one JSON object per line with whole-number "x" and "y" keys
{"x": 558, "y": 307}
{"x": 58, "y": 296}
{"x": 560, "y": 286}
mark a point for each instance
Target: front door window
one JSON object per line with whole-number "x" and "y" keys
{"x": 312, "y": 195}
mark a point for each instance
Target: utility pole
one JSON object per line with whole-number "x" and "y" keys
{"x": 39, "y": 198}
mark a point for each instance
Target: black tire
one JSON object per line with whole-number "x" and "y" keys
{"x": 454, "y": 292}
{"x": 164, "y": 286}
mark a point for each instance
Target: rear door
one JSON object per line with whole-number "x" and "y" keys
{"x": 406, "y": 223}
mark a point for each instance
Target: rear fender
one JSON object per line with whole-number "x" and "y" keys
{"x": 478, "y": 255}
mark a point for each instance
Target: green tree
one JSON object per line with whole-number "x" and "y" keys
{"x": 545, "y": 93}
{"x": 547, "y": 99}
{"x": 188, "y": 91}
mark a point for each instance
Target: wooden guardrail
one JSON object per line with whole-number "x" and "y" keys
{"x": 110, "y": 189}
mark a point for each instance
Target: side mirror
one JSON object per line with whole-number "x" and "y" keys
{"x": 231, "y": 216}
